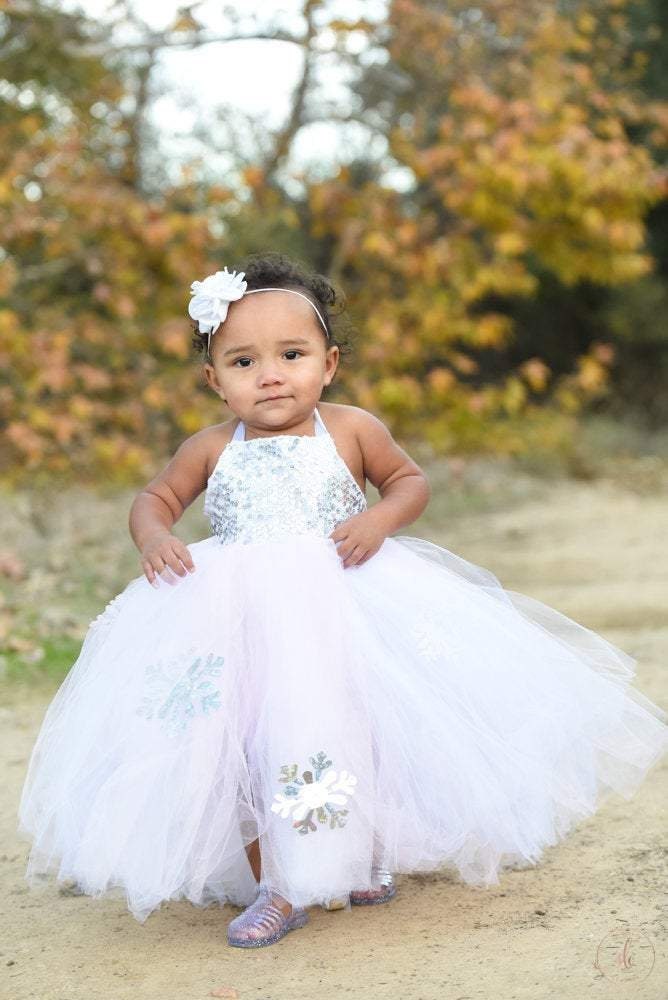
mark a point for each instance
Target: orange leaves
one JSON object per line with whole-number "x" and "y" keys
{"x": 28, "y": 443}
{"x": 463, "y": 363}
{"x": 536, "y": 373}
{"x": 92, "y": 379}
{"x": 253, "y": 177}
{"x": 154, "y": 396}
{"x": 173, "y": 337}
{"x": 441, "y": 380}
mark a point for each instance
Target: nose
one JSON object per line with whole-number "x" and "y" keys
{"x": 269, "y": 376}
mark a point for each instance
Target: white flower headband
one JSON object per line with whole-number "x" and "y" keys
{"x": 212, "y": 298}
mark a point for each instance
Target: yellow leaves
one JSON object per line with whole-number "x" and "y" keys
{"x": 625, "y": 234}
{"x": 378, "y": 243}
{"x": 190, "y": 420}
{"x": 511, "y": 243}
{"x": 591, "y": 374}
{"x": 593, "y": 220}
{"x": 492, "y": 330}
{"x": 629, "y": 266}
{"x": 536, "y": 373}
{"x": 154, "y": 396}
{"x": 586, "y": 23}
{"x": 39, "y": 418}
{"x": 567, "y": 399}
{"x": 463, "y": 363}
{"x": 80, "y": 407}
{"x": 441, "y": 380}
{"x": 401, "y": 394}
{"x": 514, "y": 395}
{"x": 9, "y": 327}
{"x": 507, "y": 277}
{"x": 485, "y": 208}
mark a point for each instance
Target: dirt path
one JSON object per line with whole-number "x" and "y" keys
{"x": 598, "y": 553}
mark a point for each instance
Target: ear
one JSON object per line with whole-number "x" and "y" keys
{"x": 332, "y": 361}
{"x": 212, "y": 379}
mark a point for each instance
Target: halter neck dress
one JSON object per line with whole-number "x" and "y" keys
{"x": 407, "y": 712}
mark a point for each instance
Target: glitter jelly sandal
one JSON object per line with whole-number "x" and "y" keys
{"x": 383, "y": 894}
{"x": 263, "y": 922}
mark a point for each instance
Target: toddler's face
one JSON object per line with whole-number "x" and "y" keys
{"x": 271, "y": 344}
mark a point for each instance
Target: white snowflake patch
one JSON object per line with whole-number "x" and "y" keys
{"x": 305, "y": 796}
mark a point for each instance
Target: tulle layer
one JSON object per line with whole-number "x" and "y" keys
{"x": 408, "y": 712}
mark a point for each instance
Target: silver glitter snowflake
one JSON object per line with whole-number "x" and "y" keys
{"x": 175, "y": 697}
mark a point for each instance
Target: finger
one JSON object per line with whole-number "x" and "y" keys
{"x": 163, "y": 570}
{"x": 186, "y": 558}
{"x": 351, "y": 558}
{"x": 176, "y": 565}
{"x": 168, "y": 576}
{"x": 171, "y": 557}
{"x": 149, "y": 573}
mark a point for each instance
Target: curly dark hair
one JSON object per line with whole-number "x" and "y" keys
{"x": 278, "y": 269}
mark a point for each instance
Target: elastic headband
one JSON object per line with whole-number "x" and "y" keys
{"x": 212, "y": 297}
{"x": 272, "y": 289}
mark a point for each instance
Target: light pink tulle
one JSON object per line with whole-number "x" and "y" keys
{"x": 443, "y": 722}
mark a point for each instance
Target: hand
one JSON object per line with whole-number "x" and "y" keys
{"x": 163, "y": 552}
{"x": 361, "y": 536}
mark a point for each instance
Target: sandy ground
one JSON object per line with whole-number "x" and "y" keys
{"x": 598, "y": 553}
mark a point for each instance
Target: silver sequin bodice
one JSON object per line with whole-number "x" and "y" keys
{"x": 275, "y": 487}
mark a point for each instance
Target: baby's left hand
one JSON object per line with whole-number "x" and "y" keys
{"x": 360, "y": 536}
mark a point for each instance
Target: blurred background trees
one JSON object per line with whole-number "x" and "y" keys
{"x": 500, "y": 232}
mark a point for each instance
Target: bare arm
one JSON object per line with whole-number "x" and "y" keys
{"x": 162, "y": 502}
{"x": 403, "y": 486}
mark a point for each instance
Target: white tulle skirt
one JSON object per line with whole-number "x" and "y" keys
{"x": 408, "y": 712}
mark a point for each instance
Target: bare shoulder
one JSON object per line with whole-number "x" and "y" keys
{"x": 213, "y": 440}
{"x": 383, "y": 460}
{"x": 187, "y": 473}
{"x": 340, "y": 416}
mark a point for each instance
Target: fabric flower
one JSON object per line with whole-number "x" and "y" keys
{"x": 212, "y": 297}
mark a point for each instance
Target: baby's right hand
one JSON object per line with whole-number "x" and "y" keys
{"x": 163, "y": 552}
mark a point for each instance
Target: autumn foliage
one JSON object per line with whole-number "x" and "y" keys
{"x": 531, "y": 153}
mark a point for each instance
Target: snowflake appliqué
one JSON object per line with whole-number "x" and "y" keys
{"x": 430, "y": 639}
{"x": 303, "y": 796}
{"x": 176, "y": 698}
